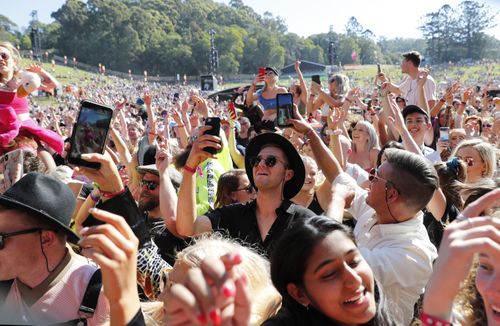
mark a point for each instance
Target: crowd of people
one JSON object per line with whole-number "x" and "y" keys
{"x": 372, "y": 208}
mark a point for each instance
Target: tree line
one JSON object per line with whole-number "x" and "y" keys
{"x": 167, "y": 37}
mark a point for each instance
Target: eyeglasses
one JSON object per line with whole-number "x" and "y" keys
{"x": 374, "y": 176}
{"x": 5, "y": 56}
{"x": 269, "y": 161}
{"x": 249, "y": 189}
{"x": 469, "y": 160}
{"x": 151, "y": 185}
{"x": 4, "y": 236}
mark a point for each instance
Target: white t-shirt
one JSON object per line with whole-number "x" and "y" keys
{"x": 60, "y": 303}
{"x": 400, "y": 254}
{"x": 409, "y": 90}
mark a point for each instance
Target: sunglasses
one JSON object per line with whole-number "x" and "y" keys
{"x": 249, "y": 189}
{"x": 5, "y": 56}
{"x": 4, "y": 236}
{"x": 269, "y": 161}
{"x": 374, "y": 176}
{"x": 469, "y": 160}
{"x": 151, "y": 185}
{"x": 487, "y": 125}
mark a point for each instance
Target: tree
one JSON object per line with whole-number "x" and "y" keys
{"x": 353, "y": 27}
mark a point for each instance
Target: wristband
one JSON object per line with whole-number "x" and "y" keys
{"x": 189, "y": 169}
{"x": 442, "y": 100}
{"x": 94, "y": 198}
{"x": 308, "y": 132}
{"x": 109, "y": 194}
{"x": 428, "y": 320}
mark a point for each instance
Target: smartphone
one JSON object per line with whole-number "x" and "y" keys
{"x": 444, "y": 134}
{"x": 215, "y": 131}
{"x": 90, "y": 133}
{"x": 316, "y": 79}
{"x": 232, "y": 110}
{"x": 176, "y": 97}
{"x": 262, "y": 72}
{"x": 284, "y": 103}
{"x": 11, "y": 168}
{"x": 493, "y": 93}
{"x": 378, "y": 69}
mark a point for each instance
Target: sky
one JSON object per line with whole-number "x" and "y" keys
{"x": 388, "y": 18}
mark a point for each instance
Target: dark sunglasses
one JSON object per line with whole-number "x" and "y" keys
{"x": 269, "y": 161}
{"x": 249, "y": 189}
{"x": 151, "y": 185}
{"x": 4, "y": 236}
{"x": 4, "y": 55}
{"x": 487, "y": 125}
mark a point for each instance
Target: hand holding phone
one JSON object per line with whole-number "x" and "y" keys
{"x": 214, "y": 122}
{"x": 284, "y": 105}
{"x": 316, "y": 79}
{"x": 232, "y": 111}
{"x": 90, "y": 133}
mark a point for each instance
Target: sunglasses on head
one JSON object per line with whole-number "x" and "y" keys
{"x": 4, "y": 236}
{"x": 249, "y": 189}
{"x": 151, "y": 185}
{"x": 4, "y": 55}
{"x": 269, "y": 161}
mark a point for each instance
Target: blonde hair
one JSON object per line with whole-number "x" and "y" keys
{"x": 487, "y": 152}
{"x": 265, "y": 298}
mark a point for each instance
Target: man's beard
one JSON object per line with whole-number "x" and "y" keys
{"x": 148, "y": 203}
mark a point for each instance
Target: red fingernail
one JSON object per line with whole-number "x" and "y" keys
{"x": 202, "y": 319}
{"x": 244, "y": 279}
{"x": 237, "y": 259}
{"x": 228, "y": 291}
{"x": 215, "y": 317}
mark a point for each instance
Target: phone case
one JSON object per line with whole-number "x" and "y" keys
{"x": 215, "y": 131}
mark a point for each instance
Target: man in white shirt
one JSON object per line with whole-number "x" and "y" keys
{"x": 408, "y": 89}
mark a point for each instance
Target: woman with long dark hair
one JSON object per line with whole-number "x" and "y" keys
{"x": 323, "y": 278}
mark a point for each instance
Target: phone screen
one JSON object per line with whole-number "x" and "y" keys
{"x": 316, "y": 79}
{"x": 90, "y": 133}
{"x": 444, "y": 134}
{"x": 284, "y": 103}
{"x": 11, "y": 169}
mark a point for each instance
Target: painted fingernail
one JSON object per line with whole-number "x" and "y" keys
{"x": 202, "y": 318}
{"x": 215, "y": 317}
{"x": 237, "y": 259}
{"x": 228, "y": 291}
{"x": 244, "y": 279}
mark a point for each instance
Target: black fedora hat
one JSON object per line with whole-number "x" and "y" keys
{"x": 292, "y": 186}
{"x": 45, "y": 197}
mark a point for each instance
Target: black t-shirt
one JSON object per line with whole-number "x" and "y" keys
{"x": 168, "y": 244}
{"x": 240, "y": 222}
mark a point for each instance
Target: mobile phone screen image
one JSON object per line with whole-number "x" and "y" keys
{"x": 215, "y": 131}
{"x": 284, "y": 103}
{"x": 90, "y": 133}
{"x": 444, "y": 134}
{"x": 316, "y": 79}
{"x": 11, "y": 169}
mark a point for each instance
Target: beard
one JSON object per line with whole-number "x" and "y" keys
{"x": 147, "y": 203}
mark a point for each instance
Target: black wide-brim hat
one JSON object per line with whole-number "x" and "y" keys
{"x": 43, "y": 196}
{"x": 292, "y": 186}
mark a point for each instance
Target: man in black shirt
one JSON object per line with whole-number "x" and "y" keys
{"x": 273, "y": 167}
